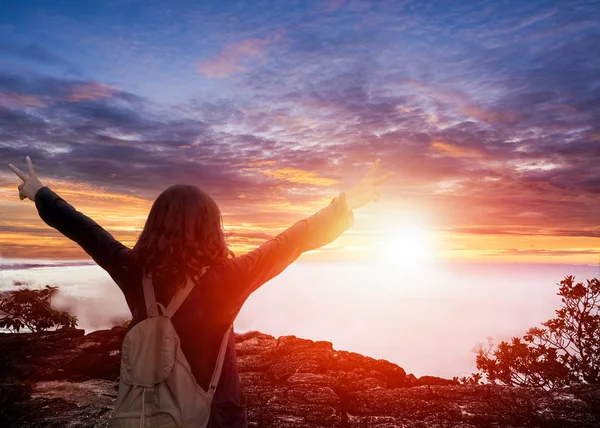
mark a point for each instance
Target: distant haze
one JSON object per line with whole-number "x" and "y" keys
{"x": 427, "y": 322}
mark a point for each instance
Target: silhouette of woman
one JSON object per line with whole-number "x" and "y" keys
{"x": 182, "y": 237}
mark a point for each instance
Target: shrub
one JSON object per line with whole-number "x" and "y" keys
{"x": 565, "y": 350}
{"x": 31, "y": 309}
{"x": 473, "y": 379}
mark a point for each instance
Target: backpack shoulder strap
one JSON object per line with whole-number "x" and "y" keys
{"x": 149, "y": 298}
{"x": 178, "y": 299}
{"x": 220, "y": 359}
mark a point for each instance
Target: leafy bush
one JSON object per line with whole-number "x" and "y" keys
{"x": 31, "y": 309}
{"x": 565, "y": 350}
{"x": 473, "y": 379}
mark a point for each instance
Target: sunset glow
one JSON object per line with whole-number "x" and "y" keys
{"x": 489, "y": 117}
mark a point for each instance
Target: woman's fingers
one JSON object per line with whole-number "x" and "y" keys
{"x": 384, "y": 178}
{"x": 21, "y": 194}
{"x": 371, "y": 170}
{"x": 31, "y": 170}
{"x": 17, "y": 171}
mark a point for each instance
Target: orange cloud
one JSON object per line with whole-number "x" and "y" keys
{"x": 486, "y": 115}
{"x": 300, "y": 176}
{"x": 233, "y": 57}
{"x": 293, "y": 175}
{"x": 91, "y": 91}
{"x": 22, "y": 100}
{"x": 454, "y": 150}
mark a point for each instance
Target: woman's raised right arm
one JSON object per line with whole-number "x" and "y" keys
{"x": 249, "y": 271}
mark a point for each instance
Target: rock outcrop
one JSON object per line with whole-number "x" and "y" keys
{"x": 68, "y": 379}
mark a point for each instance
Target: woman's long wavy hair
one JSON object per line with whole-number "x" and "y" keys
{"x": 183, "y": 233}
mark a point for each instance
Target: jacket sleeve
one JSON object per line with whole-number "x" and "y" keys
{"x": 249, "y": 271}
{"x": 95, "y": 241}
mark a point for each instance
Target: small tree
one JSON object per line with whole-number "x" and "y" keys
{"x": 566, "y": 349}
{"x": 31, "y": 309}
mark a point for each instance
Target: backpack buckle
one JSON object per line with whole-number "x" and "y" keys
{"x": 149, "y": 395}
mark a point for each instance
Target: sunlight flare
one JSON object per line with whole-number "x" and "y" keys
{"x": 407, "y": 246}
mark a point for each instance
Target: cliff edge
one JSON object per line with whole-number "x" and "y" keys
{"x": 69, "y": 379}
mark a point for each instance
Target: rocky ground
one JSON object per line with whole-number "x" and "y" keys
{"x": 68, "y": 379}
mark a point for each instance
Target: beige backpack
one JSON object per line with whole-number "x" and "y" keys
{"x": 156, "y": 387}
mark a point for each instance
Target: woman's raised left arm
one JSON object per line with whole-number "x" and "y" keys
{"x": 104, "y": 249}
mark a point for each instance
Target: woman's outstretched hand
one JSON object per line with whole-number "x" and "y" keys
{"x": 30, "y": 185}
{"x": 366, "y": 189}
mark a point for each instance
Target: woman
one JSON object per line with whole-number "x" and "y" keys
{"x": 182, "y": 235}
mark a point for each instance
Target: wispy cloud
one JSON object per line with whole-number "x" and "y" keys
{"x": 237, "y": 57}
{"x": 294, "y": 175}
{"x": 455, "y": 150}
{"x": 90, "y": 91}
{"x": 13, "y": 100}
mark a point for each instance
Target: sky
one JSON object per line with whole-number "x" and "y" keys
{"x": 488, "y": 112}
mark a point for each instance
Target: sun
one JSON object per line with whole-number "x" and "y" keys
{"x": 408, "y": 247}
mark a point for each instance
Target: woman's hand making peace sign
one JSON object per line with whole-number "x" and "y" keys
{"x": 366, "y": 189}
{"x": 30, "y": 185}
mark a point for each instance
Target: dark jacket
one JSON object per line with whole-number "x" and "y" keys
{"x": 215, "y": 301}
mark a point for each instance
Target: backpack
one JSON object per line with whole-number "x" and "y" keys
{"x": 156, "y": 386}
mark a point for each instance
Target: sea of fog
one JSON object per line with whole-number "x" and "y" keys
{"x": 426, "y": 320}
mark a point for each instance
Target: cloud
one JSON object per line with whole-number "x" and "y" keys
{"x": 236, "y": 57}
{"x": 486, "y": 115}
{"x": 463, "y": 103}
{"x": 454, "y": 150}
{"x": 294, "y": 175}
{"x": 524, "y": 231}
{"x": 9, "y": 100}
{"x": 24, "y": 265}
{"x": 105, "y": 141}
{"x": 551, "y": 253}
{"x": 34, "y": 90}
{"x": 486, "y": 157}
{"x": 90, "y": 91}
